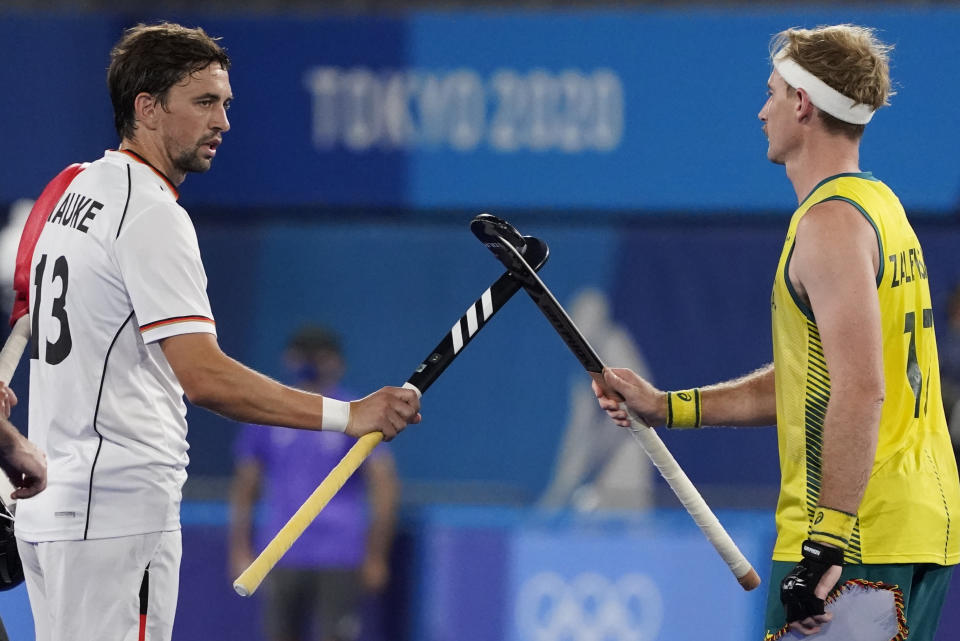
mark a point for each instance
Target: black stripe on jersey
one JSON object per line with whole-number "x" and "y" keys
{"x": 816, "y": 398}
{"x": 816, "y": 395}
{"x": 175, "y": 319}
{"x": 803, "y": 307}
{"x": 145, "y": 591}
{"x": 126, "y": 204}
{"x": 96, "y": 412}
{"x": 946, "y": 508}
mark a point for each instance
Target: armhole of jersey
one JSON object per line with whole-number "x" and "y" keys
{"x": 876, "y": 230}
{"x": 806, "y": 311}
{"x": 786, "y": 267}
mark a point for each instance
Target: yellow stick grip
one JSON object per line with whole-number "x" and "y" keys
{"x": 251, "y": 578}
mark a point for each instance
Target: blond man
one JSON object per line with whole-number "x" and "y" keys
{"x": 869, "y": 482}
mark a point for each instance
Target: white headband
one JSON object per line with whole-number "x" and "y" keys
{"x": 821, "y": 94}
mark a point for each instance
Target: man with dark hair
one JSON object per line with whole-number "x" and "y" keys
{"x": 317, "y": 589}
{"x": 121, "y": 331}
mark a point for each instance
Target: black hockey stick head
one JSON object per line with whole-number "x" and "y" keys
{"x": 490, "y": 230}
{"x": 499, "y": 237}
{"x": 495, "y": 233}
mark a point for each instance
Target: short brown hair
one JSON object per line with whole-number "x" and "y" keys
{"x": 310, "y": 340}
{"x": 849, "y": 58}
{"x": 151, "y": 59}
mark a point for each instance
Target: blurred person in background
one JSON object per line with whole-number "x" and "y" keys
{"x": 868, "y": 478}
{"x": 321, "y": 588}
{"x": 598, "y": 468}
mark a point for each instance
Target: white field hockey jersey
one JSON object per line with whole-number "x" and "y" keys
{"x": 115, "y": 269}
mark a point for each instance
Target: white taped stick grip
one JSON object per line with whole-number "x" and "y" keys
{"x": 681, "y": 485}
{"x": 13, "y": 348}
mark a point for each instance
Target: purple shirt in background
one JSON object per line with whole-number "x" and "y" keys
{"x": 293, "y": 463}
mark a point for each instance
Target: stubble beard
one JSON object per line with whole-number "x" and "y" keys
{"x": 191, "y": 162}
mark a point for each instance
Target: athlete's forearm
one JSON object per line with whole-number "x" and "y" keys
{"x": 213, "y": 380}
{"x": 242, "y": 394}
{"x": 9, "y": 436}
{"x": 850, "y": 433}
{"x": 746, "y": 401}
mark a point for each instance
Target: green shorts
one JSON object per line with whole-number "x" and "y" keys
{"x": 924, "y": 587}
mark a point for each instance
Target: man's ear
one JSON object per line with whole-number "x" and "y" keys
{"x": 146, "y": 110}
{"x": 804, "y": 107}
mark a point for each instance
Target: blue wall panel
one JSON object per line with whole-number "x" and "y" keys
{"x": 609, "y": 110}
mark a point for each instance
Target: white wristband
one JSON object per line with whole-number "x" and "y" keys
{"x": 336, "y": 414}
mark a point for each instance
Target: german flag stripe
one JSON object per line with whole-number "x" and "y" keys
{"x": 160, "y": 174}
{"x": 176, "y": 319}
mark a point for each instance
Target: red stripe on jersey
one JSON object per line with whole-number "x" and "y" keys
{"x": 175, "y": 319}
{"x": 143, "y": 161}
{"x": 41, "y": 210}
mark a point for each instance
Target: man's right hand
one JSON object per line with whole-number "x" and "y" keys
{"x": 23, "y": 463}
{"x": 623, "y": 385}
{"x": 388, "y": 410}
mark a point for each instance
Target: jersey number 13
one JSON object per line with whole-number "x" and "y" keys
{"x": 55, "y": 352}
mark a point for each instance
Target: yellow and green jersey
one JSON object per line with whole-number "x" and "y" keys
{"x": 910, "y": 511}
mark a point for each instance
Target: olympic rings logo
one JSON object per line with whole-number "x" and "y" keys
{"x": 589, "y": 607}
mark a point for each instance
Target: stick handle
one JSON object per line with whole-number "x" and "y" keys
{"x": 251, "y": 578}
{"x": 13, "y": 348}
{"x": 702, "y": 515}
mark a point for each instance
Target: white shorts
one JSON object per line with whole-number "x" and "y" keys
{"x": 118, "y": 589}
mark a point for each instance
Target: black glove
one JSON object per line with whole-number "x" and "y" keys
{"x": 11, "y": 572}
{"x": 796, "y": 589}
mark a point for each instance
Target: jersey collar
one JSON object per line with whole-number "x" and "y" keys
{"x": 865, "y": 175}
{"x": 140, "y": 159}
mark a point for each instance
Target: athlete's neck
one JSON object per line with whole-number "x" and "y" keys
{"x": 819, "y": 158}
{"x": 156, "y": 158}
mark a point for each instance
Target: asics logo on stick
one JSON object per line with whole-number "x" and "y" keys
{"x": 589, "y": 607}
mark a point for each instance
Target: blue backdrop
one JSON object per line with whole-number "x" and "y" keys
{"x": 609, "y": 110}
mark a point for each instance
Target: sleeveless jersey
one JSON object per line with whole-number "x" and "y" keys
{"x": 910, "y": 509}
{"x": 116, "y": 268}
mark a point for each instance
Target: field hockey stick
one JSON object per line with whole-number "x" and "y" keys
{"x": 463, "y": 331}
{"x": 13, "y": 348}
{"x": 496, "y": 234}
